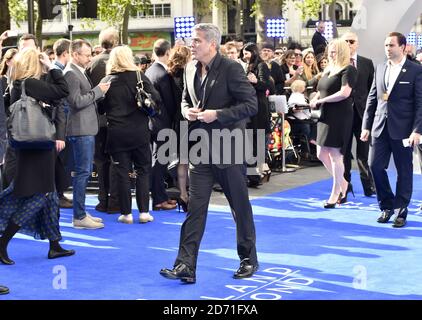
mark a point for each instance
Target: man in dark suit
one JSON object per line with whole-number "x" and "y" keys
{"x": 217, "y": 96}
{"x": 159, "y": 77}
{"x": 365, "y": 69}
{"x": 319, "y": 43}
{"x": 108, "y": 199}
{"x": 393, "y": 113}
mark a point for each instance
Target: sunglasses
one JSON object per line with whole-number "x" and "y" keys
{"x": 351, "y": 41}
{"x": 278, "y": 53}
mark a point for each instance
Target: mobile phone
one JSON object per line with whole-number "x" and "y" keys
{"x": 11, "y": 33}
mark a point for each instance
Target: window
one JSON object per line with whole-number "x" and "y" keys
{"x": 154, "y": 11}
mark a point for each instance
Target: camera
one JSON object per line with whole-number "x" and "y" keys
{"x": 11, "y": 33}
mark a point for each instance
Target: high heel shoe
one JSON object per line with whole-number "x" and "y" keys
{"x": 328, "y": 205}
{"x": 182, "y": 203}
{"x": 349, "y": 189}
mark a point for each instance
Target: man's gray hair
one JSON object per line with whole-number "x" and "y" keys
{"x": 211, "y": 32}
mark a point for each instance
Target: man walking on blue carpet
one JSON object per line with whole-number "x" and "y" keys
{"x": 217, "y": 95}
{"x": 393, "y": 117}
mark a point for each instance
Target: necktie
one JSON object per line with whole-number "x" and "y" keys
{"x": 352, "y": 62}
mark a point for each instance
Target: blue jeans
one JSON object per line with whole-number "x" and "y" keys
{"x": 83, "y": 157}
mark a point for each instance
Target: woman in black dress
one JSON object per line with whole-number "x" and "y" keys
{"x": 335, "y": 124}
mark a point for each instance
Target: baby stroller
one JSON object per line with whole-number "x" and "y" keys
{"x": 275, "y": 151}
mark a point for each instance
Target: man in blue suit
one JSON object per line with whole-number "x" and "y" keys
{"x": 393, "y": 113}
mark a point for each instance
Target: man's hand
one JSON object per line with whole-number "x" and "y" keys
{"x": 364, "y": 135}
{"x": 207, "y": 116}
{"x": 414, "y": 139}
{"x": 192, "y": 113}
{"x": 60, "y": 145}
{"x": 104, "y": 86}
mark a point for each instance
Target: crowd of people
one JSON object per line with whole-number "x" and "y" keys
{"x": 90, "y": 94}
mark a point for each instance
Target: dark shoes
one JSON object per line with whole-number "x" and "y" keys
{"x": 52, "y": 254}
{"x": 164, "y": 206}
{"x": 6, "y": 260}
{"x": 181, "y": 272}
{"x": 102, "y": 207}
{"x": 4, "y": 290}
{"x": 245, "y": 270}
{"x": 385, "y": 216}
{"x": 369, "y": 192}
{"x": 65, "y": 203}
{"x": 400, "y": 221}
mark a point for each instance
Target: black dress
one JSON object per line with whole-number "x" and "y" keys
{"x": 335, "y": 123}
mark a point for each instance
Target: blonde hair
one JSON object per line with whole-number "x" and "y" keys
{"x": 342, "y": 59}
{"x": 310, "y": 71}
{"x": 121, "y": 59}
{"x": 298, "y": 86}
{"x": 27, "y": 64}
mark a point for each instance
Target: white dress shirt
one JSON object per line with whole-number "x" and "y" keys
{"x": 392, "y": 73}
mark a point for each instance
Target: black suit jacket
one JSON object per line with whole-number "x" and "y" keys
{"x": 318, "y": 43}
{"x": 365, "y": 77}
{"x": 162, "y": 83}
{"x": 95, "y": 72}
{"x": 228, "y": 91}
{"x": 403, "y": 110}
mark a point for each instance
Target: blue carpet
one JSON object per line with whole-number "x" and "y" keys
{"x": 305, "y": 252}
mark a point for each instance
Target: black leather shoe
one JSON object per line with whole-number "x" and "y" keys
{"x": 385, "y": 216}
{"x": 369, "y": 192}
{"x": 58, "y": 254}
{"x": 5, "y": 259}
{"x": 101, "y": 207}
{"x": 4, "y": 290}
{"x": 181, "y": 272}
{"x": 245, "y": 270}
{"x": 400, "y": 221}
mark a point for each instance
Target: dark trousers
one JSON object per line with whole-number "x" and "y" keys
{"x": 362, "y": 151}
{"x": 232, "y": 181}
{"x": 138, "y": 159}
{"x": 107, "y": 187}
{"x": 62, "y": 176}
{"x": 158, "y": 172}
{"x": 379, "y": 158}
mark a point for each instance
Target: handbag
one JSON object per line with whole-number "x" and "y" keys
{"x": 144, "y": 100}
{"x": 29, "y": 125}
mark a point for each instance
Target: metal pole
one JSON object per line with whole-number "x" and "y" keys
{"x": 69, "y": 19}
{"x": 31, "y": 16}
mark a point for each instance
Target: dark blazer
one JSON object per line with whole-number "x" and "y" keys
{"x": 162, "y": 83}
{"x": 127, "y": 127}
{"x": 96, "y": 71}
{"x": 403, "y": 110}
{"x": 228, "y": 91}
{"x": 262, "y": 119}
{"x": 278, "y": 77}
{"x": 360, "y": 92}
{"x": 318, "y": 43}
{"x": 34, "y": 171}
